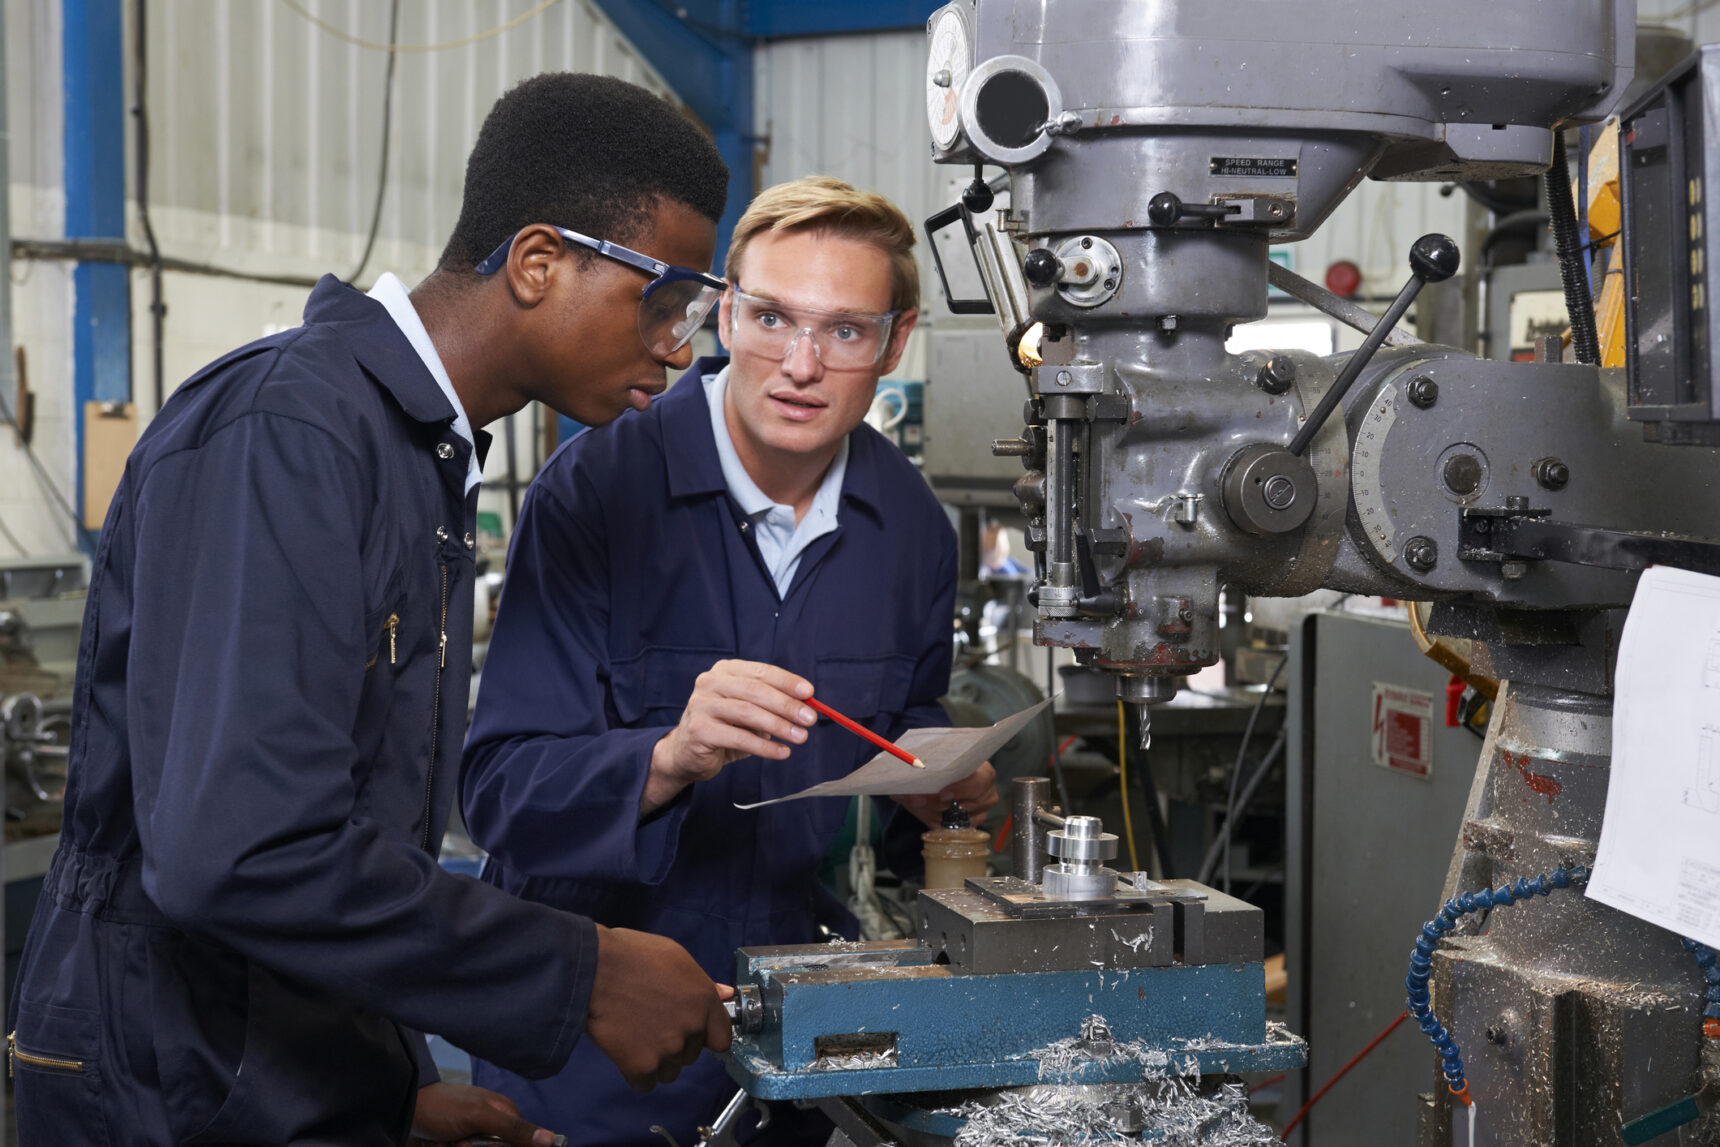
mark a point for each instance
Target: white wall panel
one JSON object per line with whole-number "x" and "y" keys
{"x": 41, "y": 292}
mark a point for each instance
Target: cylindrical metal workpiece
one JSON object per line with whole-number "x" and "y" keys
{"x": 1027, "y": 834}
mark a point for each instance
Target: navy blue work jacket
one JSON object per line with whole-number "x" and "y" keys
{"x": 632, "y": 571}
{"x": 244, "y": 926}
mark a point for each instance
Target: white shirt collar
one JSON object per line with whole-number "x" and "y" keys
{"x": 754, "y": 501}
{"x": 392, "y": 294}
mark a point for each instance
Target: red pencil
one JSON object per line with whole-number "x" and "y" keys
{"x": 856, "y": 727}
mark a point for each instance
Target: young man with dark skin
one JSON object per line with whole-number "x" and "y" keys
{"x": 786, "y": 547}
{"x": 244, "y": 929}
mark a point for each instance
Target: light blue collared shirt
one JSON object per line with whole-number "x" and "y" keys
{"x": 780, "y": 541}
{"x": 392, "y": 294}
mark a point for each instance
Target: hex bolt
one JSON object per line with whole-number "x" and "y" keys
{"x": 1421, "y": 553}
{"x": 1167, "y": 323}
{"x": 1279, "y": 492}
{"x": 1423, "y": 391}
{"x": 1278, "y": 375}
{"x": 1551, "y": 473}
{"x": 1516, "y": 502}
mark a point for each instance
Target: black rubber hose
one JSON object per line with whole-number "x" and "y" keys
{"x": 1584, "y": 339}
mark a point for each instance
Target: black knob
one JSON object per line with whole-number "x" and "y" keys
{"x": 977, "y": 196}
{"x": 1164, "y": 209}
{"x": 1433, "y": 259}
{"x": 1041, "y": 267}
{"x": 1278, "y": 375}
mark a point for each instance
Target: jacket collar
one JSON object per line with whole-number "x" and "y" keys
{"x": 378, "y": 343}
{"x": 691, "y": 450}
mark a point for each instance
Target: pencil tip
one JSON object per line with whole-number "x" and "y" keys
{"x": 917, "y": 763}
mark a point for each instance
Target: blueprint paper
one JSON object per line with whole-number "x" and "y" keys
{"x": 1659, "y": 855}
{"x": 950, "y": 755}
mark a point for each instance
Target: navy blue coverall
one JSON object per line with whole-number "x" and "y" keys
{"x": 245, "y": 927}
{"x": 632, "y": 572}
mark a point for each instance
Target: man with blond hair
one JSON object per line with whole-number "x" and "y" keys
{"x": 680, "y": 582}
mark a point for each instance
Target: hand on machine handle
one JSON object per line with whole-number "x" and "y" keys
{"x": 653, "y": 1009}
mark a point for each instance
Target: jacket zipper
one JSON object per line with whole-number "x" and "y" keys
{"x": 14, "y": 1053}
{"x": 393, "y": 633}
{"x": 436, "y": 709}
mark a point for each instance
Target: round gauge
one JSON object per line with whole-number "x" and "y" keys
{"x": 946, "y": 71}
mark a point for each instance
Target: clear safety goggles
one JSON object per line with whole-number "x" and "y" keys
{"x": 671, "y": 307}
{"x": 842, "y": 341}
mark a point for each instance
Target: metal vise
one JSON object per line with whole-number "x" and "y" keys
{"x": 1011, "y": 984}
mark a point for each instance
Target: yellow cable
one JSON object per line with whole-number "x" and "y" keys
{"x": 1447, "y": 657}
{"x": 1123, "y": 786}
{"x": 381, "y": 47}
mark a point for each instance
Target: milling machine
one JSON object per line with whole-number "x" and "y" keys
{"x": 1154, "y": 151}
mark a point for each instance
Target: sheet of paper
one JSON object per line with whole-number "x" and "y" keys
{"x": 950, "y": 755}
{"x": 1659, "y": 855}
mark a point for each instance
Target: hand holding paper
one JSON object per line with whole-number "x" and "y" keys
{"x": 949, "y": 755}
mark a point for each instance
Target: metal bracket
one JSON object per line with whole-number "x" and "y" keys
{"x": 1070, "y": 378}
{"x": 1501, "y": 535}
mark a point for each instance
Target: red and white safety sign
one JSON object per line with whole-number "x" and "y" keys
{"x": 1403, "y": 730}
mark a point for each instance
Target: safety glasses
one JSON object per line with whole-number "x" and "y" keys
{"x": 841, "y": 340}
{"x": 671, "y": 307}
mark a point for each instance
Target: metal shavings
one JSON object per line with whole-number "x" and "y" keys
{"x": 1095, "y": 1045}
{"x": 1171, "y": 1112}
{"x": 859, "y": 1061}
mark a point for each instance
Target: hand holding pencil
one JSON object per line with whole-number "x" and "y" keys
{"x": 739, "y": 709}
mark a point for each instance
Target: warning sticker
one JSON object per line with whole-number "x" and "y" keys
{"x": 1403, "y": 730}
{"x": 1244, "y": 165}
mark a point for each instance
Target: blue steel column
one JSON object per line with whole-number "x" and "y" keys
{"x": 707, "y": 58}
{"x": 93, "y": 76}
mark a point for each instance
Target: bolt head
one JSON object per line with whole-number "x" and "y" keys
{"x": 1516, "y": 502}
{"x": 1279, "y": 492}
{"x": 1421, "y": 554}
{"x": 1423, "y": 391}
{"x": 1511, "y": 571}
{"x": 1552, "y": 474}
{"x": 1462, "y": 474}
{"x": 1064, "y": 378}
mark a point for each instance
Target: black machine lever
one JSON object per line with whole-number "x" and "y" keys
{"x": 1165, "y": 208}
{"x": 1432, "y": 259}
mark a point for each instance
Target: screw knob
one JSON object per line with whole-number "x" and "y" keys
{"x": 1433, "y": 258}
{"x": 1041, "y": 267}
{"x": 1164, "y": 209}
{"x": 1278, "y": 375}
{"x": 977, "y": 196}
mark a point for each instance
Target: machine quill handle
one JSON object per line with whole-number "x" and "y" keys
{"x": 1433, "y": 259}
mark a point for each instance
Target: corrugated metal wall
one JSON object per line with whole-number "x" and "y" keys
{"x": 266, "y": 128}
{"x": 265, "y": 141}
